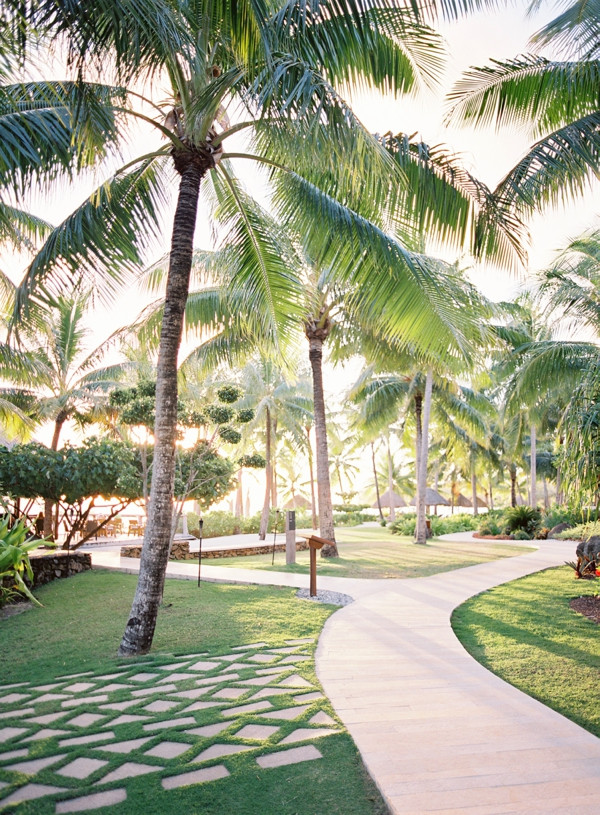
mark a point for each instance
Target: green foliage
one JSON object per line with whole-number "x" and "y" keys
{"x": 229, "y": 394}
{"x": 219, "y": 413}
{"x": 220, "y": 523}
{"x": 351, "y": 508}
{"x": 14, "y": 561}
{"x": 350, "y": 518}
{"x": 569, "y": 515}
{"x": 581, "y": 532}
{"x": 253, "y": 460}
{"x": 440, "y": 525}
{"x": 521, "y": 535}
{"x": 489, "y": 526}
{"x": 230, "y": 434}
{"x": 202, "y": 474}
{"x": 245, "y": 415}
{"x": 523, "y": 518}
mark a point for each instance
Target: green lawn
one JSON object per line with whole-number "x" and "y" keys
{"x": 526, "y": 633}
{"x": 78, "y": 630}
{"x": 376, "y": 553}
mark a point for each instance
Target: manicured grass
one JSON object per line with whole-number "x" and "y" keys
{"x": 376, "y": 553}
{"x": 526, "y": 633}
{"x": 78, "y": 630}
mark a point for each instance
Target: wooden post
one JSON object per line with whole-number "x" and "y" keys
{"x": 314, "y": 543}
{"x": 290, "y": 537}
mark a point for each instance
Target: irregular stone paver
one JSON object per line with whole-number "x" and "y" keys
{"x": 289, "y": 649}
{"x": 85, "y": 719}
{"x": 300, "y": 641}
{"x": 258, "y": 680}
{"x": 204, "y": 666}
{"x": 195, "y": 693}
{"x": 250, "y": 646}
{"x": 13, "y": 698}
{"x": 125, "y": 746}
{"x": 236, "y": 666}
{"x": 48, "y": 718}
{"x": 79, "y": 687}
{"x": 321, "y": 718}
{"x": 296, "y": 658}
{"x": 287, "y": 713}
{"x": 115, "y": 686}
{"x": 231, "y": 657}
{"x": 130, "y": 769}
{"x": 176, "y": 677}
{"x": 49, "y": 697}
{"x": 220, "y": 750}
{"x": 143, "y": 677}
{"x": 120, "y": 705}
{"x": 251, "y": 708}
{"x": 171, "y": 667}
{"x": 30, "y": 792}
{"x": 265, "y": 692}
{"x": 35, "y": 765}
{"x": 274, "y": 669}
{"x": 161, "y": 706}
{"x": 195, "y": 777}
{"x": 308, "y": 697}
{"x": 261, "y": 658}
{"x": 230, "y": 693}
{"x": 200, "y": 706}
{"x": 51, "y": 686}
{"x": 95, "y": 801}
{"x": 127, "y": 718}
{"x": 106, "y": 677}
{"x": 92, "y": 739}
{"x": 169, "y": 723}
{"x": 85, "y": 700}
{"x": 168, "y": 749}
{"x": 295, "y": 681}
{"x": 14, "y": 685}
{"x": 20, "y": 753}
{"x": 294, "y": 756}
{"x": 153, "y": 691}
{"x": 46, "y": 733}
{"x": 75, "y": 676}
{"x": 223, "y": 678}
{"x": 17, "y": 714}
{"x": 306, "y": 733}
{"x": 256, "y": 731}
{"x": 81, "y": 767}
{"x": 209, "y": 729}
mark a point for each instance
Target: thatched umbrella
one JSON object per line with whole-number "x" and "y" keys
{"x": 398, "y": 500}
{"x": 481, "y": 502}
{"x": 297, "y": 502}
{"x": 432, "y": 499}
{"x": 462, "y": 501}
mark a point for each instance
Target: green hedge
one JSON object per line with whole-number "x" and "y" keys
{"x": 405, "y": 525}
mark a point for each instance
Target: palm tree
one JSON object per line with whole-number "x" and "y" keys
{"x": 278, "y": 63}
{"x": 556, "y": 98}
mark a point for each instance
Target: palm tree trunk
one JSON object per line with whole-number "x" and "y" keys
{"x": 546, "y": 497}
{"x": 326, "y": 529}
{"x": 513, "y": 485}
{"x": 491, "y": 495}
{"x": 274, "y": 468}
{"x": 421, "y": 525}
{"x": 239, "y": 502}
{"x": 376, "y": 481}
{"x": 533, "y": 466}
{"x": 139, "y": 631}
{"x": 264, "y": 518}
{"x": 50, "y": 527}
{"x": 390, "y": 479}
{"x": 474, "y": 489}
{"x": 313, "y": 502}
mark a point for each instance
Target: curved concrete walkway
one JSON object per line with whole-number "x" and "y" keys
{"x": 437, "y": 731}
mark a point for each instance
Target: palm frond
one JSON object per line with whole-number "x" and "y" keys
{"x": 48, "y": 128}
{"x": 101, "y": 243}
{"x": 575, "y": 32}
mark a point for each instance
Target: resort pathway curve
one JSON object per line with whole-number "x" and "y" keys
{"x": 437, "y": 731}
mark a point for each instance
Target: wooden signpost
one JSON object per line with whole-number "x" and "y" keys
{"x": 314, "y": 543}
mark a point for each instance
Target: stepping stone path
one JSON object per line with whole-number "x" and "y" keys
{"x": 160, "y": 719}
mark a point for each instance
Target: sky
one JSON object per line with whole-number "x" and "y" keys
{"x": 488, "y": 154}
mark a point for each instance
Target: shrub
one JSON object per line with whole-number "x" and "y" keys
{"x": 521, "y": 535}
{"x": 14, "y": 561}
{"x": 350, "y": 518}
{"x": 581, "y": 532}
{"x": 523, "y": 518}
{"x": 489, "y": 526}
{"x": 405, "y": 525}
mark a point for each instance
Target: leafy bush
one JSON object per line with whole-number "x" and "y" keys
{"x": 219, "y": 523}
{"x": 521, "y": 535}
{"x": 523, "y": 518}
{"x": 581, "y": 532}
{"x": 489, "y": 526}
{"x": 350, "y": 518}
{"x": 351, "y": 508}
{"x": 14, "y": 561}
{"x": 405, "y": 525}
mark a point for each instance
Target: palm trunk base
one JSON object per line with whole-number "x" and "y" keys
{"x": 329, "y": 550}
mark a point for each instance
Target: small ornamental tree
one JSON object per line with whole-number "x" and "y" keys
{"x": 200, "y": 472}
{"x": 75, "y": 478}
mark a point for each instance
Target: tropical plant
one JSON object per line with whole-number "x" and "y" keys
{"x": 526, "y": 519}
{"x": 15, "y": 546}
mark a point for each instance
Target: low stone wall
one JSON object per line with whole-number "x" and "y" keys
{"x": 181, "y": 551}
{"x": 52, "y": 566}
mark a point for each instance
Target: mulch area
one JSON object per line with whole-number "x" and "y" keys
{"x": 589, "y": 606}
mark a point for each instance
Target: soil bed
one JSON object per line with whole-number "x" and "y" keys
{"x": 589, "y": 606}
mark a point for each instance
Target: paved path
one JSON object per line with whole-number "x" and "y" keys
{"x": 437, "y": 731}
